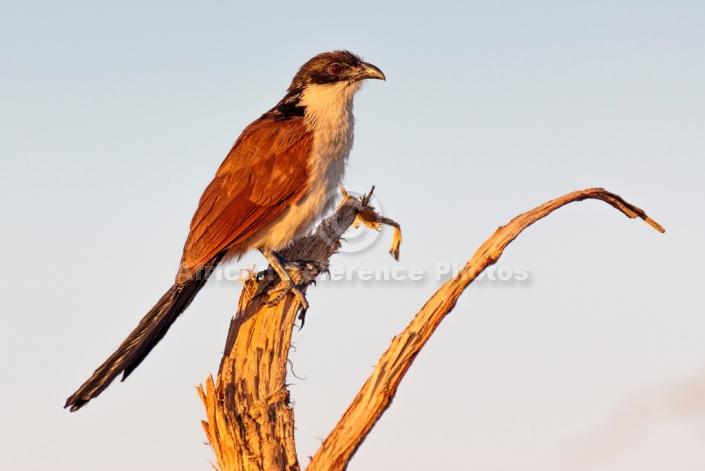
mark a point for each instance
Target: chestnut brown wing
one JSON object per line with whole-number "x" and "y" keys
{"x": 264, "y": 172}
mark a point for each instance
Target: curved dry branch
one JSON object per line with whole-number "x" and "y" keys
{"x": 377, "y": 393}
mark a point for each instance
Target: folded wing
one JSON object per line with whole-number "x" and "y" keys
{"x": 264, "y": 173}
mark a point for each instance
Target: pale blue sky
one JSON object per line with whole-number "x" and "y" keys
{"x": 115, "y": 117}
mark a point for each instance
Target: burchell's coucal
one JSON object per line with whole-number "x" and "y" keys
{"x": 273, "y": 185}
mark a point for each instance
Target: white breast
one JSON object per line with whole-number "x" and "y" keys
{"x": 329, "y": 115}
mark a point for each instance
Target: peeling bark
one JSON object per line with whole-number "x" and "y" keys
{"x": 250, "y": 421}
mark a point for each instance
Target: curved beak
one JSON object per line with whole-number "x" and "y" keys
{"x": 369, "y": 71}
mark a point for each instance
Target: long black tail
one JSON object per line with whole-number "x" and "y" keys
{"x": 144, "y": 338}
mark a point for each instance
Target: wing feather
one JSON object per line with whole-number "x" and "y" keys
{"x": 262, "y": 175}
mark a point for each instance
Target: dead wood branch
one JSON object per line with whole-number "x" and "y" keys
{"x": 250, "y": 421}
{"x": 377, "y": 393}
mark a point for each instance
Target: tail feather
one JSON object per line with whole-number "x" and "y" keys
{"x": 143, "y": 339}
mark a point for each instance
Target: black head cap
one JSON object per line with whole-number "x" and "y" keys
{"x": 332, "y": 67}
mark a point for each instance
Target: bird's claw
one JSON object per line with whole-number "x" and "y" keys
{"x": 289, "y": 287}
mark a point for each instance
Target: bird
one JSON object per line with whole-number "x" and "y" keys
{"x": 273, "y": 185}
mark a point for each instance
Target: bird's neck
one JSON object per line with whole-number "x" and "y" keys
{"x": 329, "y": 115}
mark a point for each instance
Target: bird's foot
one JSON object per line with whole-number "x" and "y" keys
{"x": 284, "y": 269}
{"x": 288, "y": 287}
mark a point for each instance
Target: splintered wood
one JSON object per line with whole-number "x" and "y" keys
{"x": 250, "y": 420}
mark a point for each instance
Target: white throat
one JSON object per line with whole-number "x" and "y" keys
{"x": 329, "y": 114}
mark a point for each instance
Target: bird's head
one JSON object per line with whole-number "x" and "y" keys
{"x": 334, "y": 67}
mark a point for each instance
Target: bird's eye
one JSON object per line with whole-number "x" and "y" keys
{"x": 335, "y": 69}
